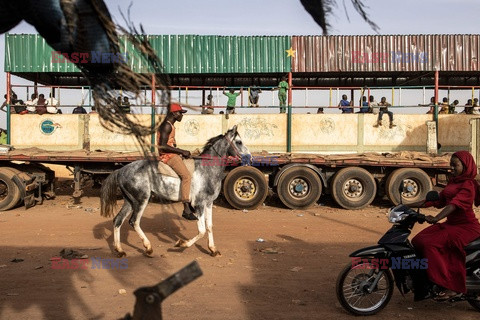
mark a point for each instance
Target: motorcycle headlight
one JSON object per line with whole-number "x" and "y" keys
{"x": 397, "y": 214}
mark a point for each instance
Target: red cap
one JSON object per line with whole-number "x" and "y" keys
{"x": 176, "y": 107}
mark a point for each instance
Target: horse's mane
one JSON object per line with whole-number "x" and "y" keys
{"x": 212, "y": 141}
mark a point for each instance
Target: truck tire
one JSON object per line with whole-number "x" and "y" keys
{"x": 9, "y": 191}
{"x": 418, "y": 184}
{"x": 299, "y": 187}
{"x": 353, "y": 188}
{"x": 245, "y": 188}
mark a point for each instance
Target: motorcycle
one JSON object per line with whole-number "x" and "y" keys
{"x": 365, "y": 285}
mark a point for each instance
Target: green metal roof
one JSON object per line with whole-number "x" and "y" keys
{"x": 181, "y": 54}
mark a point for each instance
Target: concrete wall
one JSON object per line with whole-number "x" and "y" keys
{"x": 50, "y": 132}
{"x": 102, "y": 138}
{"x": 322, "y": 133}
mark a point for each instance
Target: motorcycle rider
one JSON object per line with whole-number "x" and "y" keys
{"x": 443, "y": 244}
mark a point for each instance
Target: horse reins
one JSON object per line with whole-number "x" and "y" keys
{"x": 237, "y": 154}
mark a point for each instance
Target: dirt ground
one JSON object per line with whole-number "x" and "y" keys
{"x": 291, "y": 275}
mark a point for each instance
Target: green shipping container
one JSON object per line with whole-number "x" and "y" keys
{"x": 180, "y": 54}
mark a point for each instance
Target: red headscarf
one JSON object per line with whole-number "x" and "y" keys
{"x": 469, "y": 171}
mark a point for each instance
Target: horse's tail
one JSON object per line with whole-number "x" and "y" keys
{"x": 108, "y": 195}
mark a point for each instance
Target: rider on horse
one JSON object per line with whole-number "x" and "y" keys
{"x": 170, "y": 155}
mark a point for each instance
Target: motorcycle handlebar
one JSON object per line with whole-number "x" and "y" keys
{"x": 420, "y": 218}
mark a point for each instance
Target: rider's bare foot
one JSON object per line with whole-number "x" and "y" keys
{"x": 447, "y": 295}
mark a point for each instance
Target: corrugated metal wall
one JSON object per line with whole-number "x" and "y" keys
{"x": 194, "y": 54}
{"x": 222, "y": 54}
{"x": 181, "y": 54}
{"x": 386, "y": 53}
{"x": 30, "y": 53}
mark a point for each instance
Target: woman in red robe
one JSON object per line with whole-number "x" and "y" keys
{"x": 443, "y": 244}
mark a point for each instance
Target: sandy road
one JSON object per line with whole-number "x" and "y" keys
{"x": 289, "y": 276}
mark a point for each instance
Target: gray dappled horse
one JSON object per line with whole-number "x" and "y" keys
{"x": 140, "y": 179}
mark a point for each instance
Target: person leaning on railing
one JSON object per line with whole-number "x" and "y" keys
{"x": 468, "y": 108}
{"x": 345, "y": 105}
{"x": 431, "y": 110}
{"x": 451, "y": 108}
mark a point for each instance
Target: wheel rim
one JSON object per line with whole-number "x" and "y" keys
{"x": 411, "y": 188}
{"x": 298, "y": 188}
{"x": 355, "y": 285}
{"x": 245, "y": 188}
{"x": 3, "y": 190}
{"x": 353, "y": 188}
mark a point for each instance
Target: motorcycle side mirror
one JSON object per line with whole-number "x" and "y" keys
{"x": 432, "y": 196}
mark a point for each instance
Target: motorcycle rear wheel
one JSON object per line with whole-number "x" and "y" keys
{"x": 352, "y": 283}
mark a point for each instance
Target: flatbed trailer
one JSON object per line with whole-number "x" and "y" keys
{"x": 353, "y": 180}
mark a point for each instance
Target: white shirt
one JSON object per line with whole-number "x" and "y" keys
{"x": 52, "y": 105}
{"x": 31, "y": 105}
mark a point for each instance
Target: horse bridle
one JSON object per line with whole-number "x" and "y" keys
{"x": 237, "y": 154}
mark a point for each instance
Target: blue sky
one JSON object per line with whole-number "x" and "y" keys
{"x": 286, "y": 17}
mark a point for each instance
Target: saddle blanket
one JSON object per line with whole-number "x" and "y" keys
{"x": 166, "y": 170}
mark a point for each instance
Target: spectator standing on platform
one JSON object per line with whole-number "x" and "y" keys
{"x": 40, "y": 104}
{"x": 3, "y": 136}
{"x": 125, "y": 105}
{"x": 468, "y": 107}
{"x": 208, "y": 108}
{"x": 373, "y": 105}
{"x": 52, "y": 105}
{"x": 93, "y": 111}
{"x": 476, "y": 108}
{"x": 282, "y": 94}
{"x": 444, "y": 106}
{"x": 18, "y": 105}
{"x": 345, "y": 105}
{"x": 431, "y": 105}
{"x": 31, "y": 104}
{"x": 254, "y": 96}
{"x": 451, "y": 108}
{"x": 232, "y": 100}
{"x": 4, "y": 104}
{"x": 364, "y": 108}
{"x": 384, "y": 109}
{"x": 79, "y": 110}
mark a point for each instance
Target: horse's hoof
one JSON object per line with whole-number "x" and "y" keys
{"x": 148, "y": 255}
{"x": 149, "y": 252}
{"x": 181, "y": 243}
{"x": 215, "y": 254}
{"x": 120, "y": 254}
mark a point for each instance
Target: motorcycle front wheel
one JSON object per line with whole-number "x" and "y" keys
{"x": 475, "y": 304}
{"x": 353, "y": 285}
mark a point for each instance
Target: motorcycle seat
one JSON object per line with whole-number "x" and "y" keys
{"x": 474, "y": 245}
